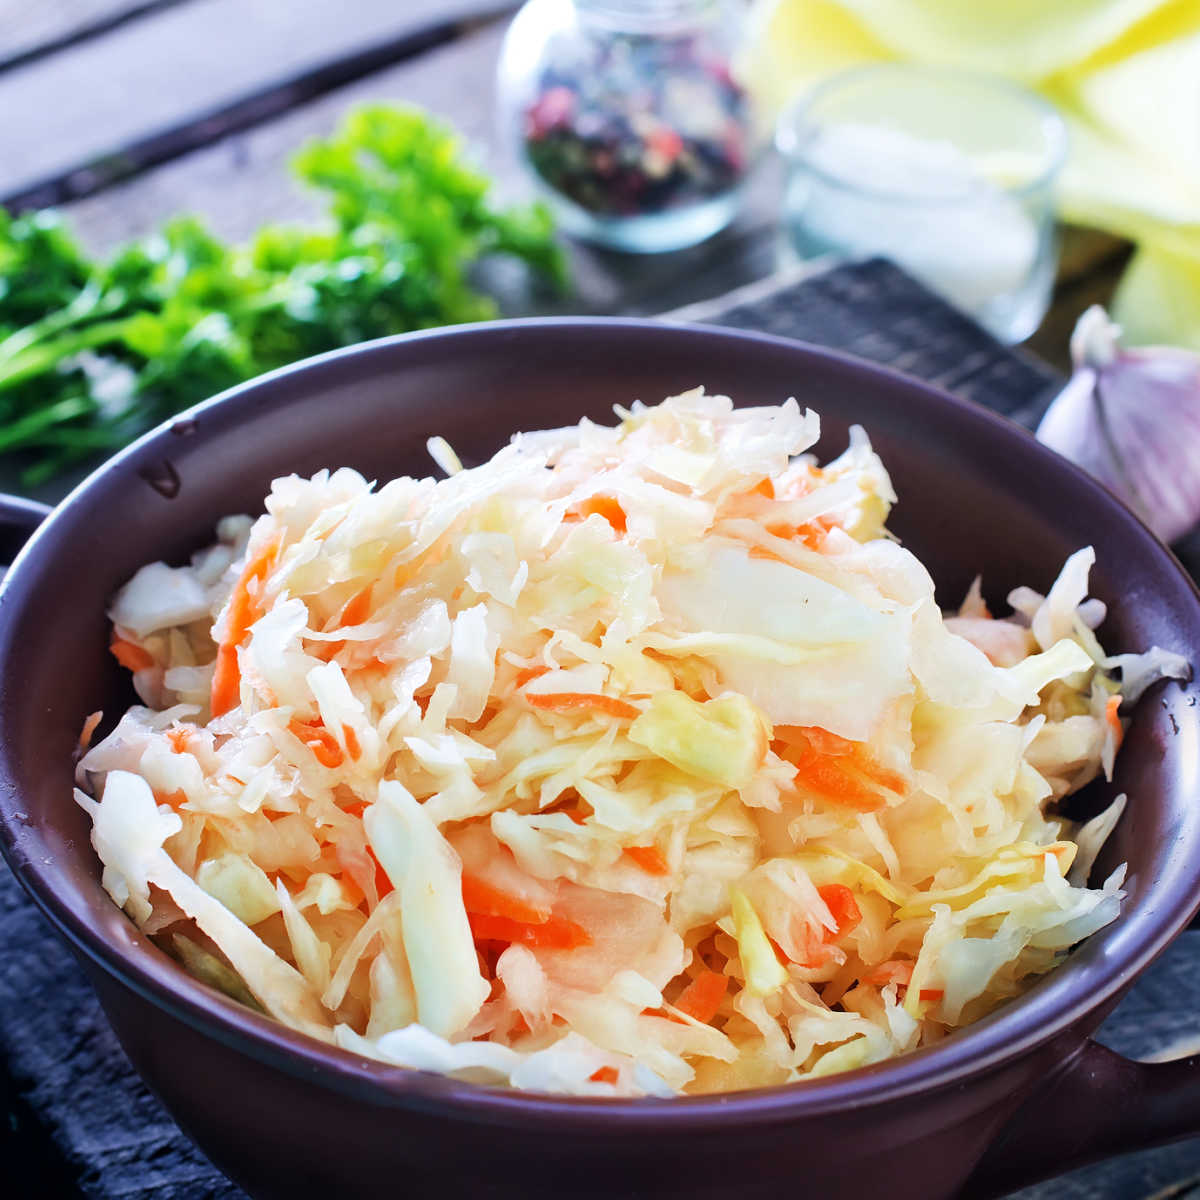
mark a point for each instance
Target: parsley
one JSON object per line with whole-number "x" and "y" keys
{"x": 94, "y": 353}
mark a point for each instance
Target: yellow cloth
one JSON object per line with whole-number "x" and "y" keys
{"x": 1124, "y": 73}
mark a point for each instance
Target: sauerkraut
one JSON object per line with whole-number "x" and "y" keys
{"x": 638, "y": 760}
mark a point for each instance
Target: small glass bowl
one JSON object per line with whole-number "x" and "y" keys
{"x": 628, "y": 117}
{"x": 948, "y": 174}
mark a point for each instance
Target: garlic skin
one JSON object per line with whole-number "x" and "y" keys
{"x": 1131, "y": 418}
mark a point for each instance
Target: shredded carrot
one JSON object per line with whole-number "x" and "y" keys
{"x": 821, "y": 740}
{"x": 383, "y": 885}
{"x": 603, "y": 506}
{"x": 702, "y": 997}
{"x": 319, "y": 740}
{"x": 244, "y": 609}
{"x": 89, "y": 727}
{"x": 812, "y": 535}
{"x": 930, "y": 995}
{"x": 832, "y": 782}
{"x": 838, "y": 769}
{"x": 227, "y": 680}
{"x": 358, "y": 607}
{"x": 351, "y": 740}
{"x": 130, "y": 655}
{"x": 763, "y": 552}
{"x": 649, "y": 858}
{"x": 557, "y": 933}
{"x": 842, "y": 906}
{"x": 893, "y": 781}
{"x": 563, "y": 700}
{"x": 1111, "y": 705}
{"x": 528, "y": 676}
{"x": 173, "y": 799}
{"x": 483, "y": 900}
{"x": 604, "y": 1075}
{"x": 178, "y": 737}
{"x": 765, "y": 488}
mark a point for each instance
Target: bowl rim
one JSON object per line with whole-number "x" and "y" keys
{"x": 1061, "y": 999}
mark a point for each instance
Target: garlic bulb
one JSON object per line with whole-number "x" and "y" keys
{"x": 1132, "y": 419}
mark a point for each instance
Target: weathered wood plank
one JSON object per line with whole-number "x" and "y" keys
{"x": 181, "y": 76}
{"x": 30, "y": 29}
{"x": 240, "y": 182}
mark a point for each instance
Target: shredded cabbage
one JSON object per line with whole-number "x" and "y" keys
{"x": 638, "y": 760}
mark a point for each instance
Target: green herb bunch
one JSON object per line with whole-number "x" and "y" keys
{"x": 94, "y": 353}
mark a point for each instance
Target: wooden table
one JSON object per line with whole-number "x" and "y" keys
{"x": 126, "y": 112}
{"x": 131, "y": 111}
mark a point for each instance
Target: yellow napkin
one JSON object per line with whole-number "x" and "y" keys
{"x": 1124, "y": 73}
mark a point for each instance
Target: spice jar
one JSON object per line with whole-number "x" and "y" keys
{"x": 629, "y": 117}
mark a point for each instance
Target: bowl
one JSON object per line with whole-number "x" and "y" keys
{"x": 1018, "y": 1095}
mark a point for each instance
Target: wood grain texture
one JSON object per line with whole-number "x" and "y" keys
{"x": 114, "y": 102}
{"x": 29, "y": 28}
{"x": 240, "y": 182}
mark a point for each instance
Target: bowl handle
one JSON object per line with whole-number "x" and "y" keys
{"x": 1098, "y": 1105}
{"x": 18, "y": 519}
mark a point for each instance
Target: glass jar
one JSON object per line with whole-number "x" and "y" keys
{"x": 950, "y": 175}
{"x": 628, "y": 116}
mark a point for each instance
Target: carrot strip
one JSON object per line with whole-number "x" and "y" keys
{"x": 765, "y": 488}
{"x": 352, "y": 746}
{"x": 893, "y": 781}
{"x": 649, "y": 858}
{"x": 931, "y": 995}
{"x": 829, "y": 780}
{"x": 178, "y": 737}
{"x": 564, "y": 700}
{"x": 832, "y": 765}
{"x": 763, "y": 552}
{"x": 130, "y": 655}
{"x": 319, "y": 740}
{"x": 702, "y": 997}
{"x": 557, "y": 933}
{"x": 484, "y": 900}
{"x": 528, "y": 676}
{"x": 812, "y": 536}
{"x": 173, "y": 799}
{"x": 604, "y": 1075}
{"x": 821, "y": 740}
{"x": 244, "y": 610}
{"x": 606, "y": 507}
{"x": 383, "y": 885}
{"x": 226, "y": 682}
{"x": 842, "y": 906}
{"x": 358, "y": 607}
{"x": 1111, "y": 705}
{"x": 89, "y": 727}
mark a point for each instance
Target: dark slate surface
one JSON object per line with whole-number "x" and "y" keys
{"x": 81, "y": 1123}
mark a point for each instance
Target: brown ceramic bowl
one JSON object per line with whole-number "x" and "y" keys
{"x": 1019, "y": 1095}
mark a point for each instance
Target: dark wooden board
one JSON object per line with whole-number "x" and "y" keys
{"x": 179, "y": 75}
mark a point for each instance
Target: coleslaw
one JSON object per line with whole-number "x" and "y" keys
{"x": 636, "y": 761}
